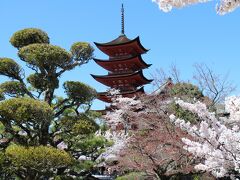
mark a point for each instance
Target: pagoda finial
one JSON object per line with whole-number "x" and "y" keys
{"x": 122, "y": 10}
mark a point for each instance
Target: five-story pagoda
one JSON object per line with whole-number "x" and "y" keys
{"x": 124, "y": 66}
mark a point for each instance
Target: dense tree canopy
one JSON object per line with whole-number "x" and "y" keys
{"x": 28, "y": 36}
{"x": 43, "y": 135}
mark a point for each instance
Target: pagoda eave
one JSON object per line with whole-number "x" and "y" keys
{"x": 122, "y": 39}
{"x": 120, "y": 80}
{"x": 112, "y": 49}
{"x": 132, "y": 63}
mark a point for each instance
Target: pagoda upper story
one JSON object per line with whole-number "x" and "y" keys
{"x": 122, "y": 47}
{"x": 124, "y": 66}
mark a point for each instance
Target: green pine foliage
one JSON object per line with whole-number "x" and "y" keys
{"x": 13, "y": 88}
{"x": 22, "y": 110}
{"x": 187, "y": 92}
{"x": 79, "y": 91}
{"x": 8, "y": 67}
{"x": 43, "y": 135}
{"x": 37, "y": 158}
{"x": 28, "y": 36}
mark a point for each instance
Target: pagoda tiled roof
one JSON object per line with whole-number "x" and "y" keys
{"x": 137, "y": 62}
{"x": 136, "y": 77}
{"x": 122, "y": 40}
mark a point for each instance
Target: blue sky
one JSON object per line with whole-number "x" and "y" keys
{"x": 195, "y": 34}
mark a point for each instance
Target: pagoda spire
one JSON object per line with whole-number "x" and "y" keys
{"x": 123, "y": 28}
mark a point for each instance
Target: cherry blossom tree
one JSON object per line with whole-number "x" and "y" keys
{"x": 122, "y": 109}
{"x": 222, "y": 7}
{"x": 111, "y": 153}
{"x": 216, "y": 140}
{"x": 153, "y": 145}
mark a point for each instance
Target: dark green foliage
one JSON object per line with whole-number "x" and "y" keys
{"x": 2, "y": 159}
{"x": 82, "y": 51}
{"x": 10, "y": 68}
{"x": 80, "y": 92}
{"x": 78, "y": 125}
{"x": 23, "y": 110}
{"x": 42, "y": 82}
{"x": 184, "y": 114}
{"x": 86, "y": 165}
{"x": 13, "y": 88}
{"x": 91, "y": 144}
{"x": 186, "y": 90}
{"x": 38, "y": 81}
{"x": 28, "y": 36}
{"x": 79, "y": 132}
{"x": 2, "y": 97}
{"x": 45, "y": 57}
{"x": 3, "y": 168}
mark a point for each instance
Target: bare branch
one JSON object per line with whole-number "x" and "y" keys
{"x": 213, "y": 85}
{"x": 160, "y": 76}
{"x": 175, "y": 73}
